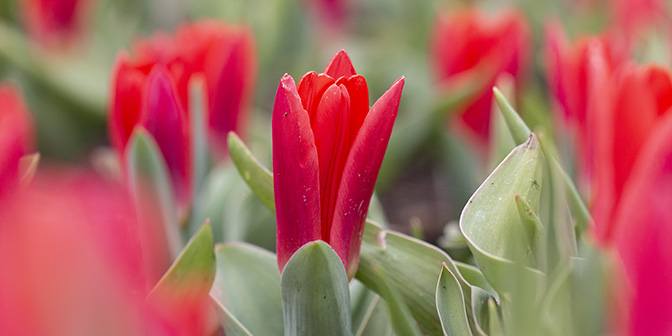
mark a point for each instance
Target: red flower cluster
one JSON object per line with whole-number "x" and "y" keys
{"x": 327, "y": 151}
{"x": 151, "y": 90}
{"x": 54, "y": 22}
{"x": 470, "y": 44}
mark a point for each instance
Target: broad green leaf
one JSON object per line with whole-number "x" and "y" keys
{"x": 412, "y": 267}
{"x": 315, "y": 292}
{"x": 534, "y": 232}
{"x": 361, "y": 299}
{"x": 377, "y": 321}
{"x": 28, "y": 167}
{"x": 520, "y": 132}
{"x": 474, "y": 277}
{"x": 190, "y": 278}
{"x": 153, "y": 193}
{"x": 494, "y": 319}
{"x": 479, "y": 310}
{"x": 255, "y": 175}
{"x": 450, "y": 305}
{"x": 232, "y": 327}
{"x": 402, "y": 321}
{"x": 490, "y": 221}
{"x": 247, "y": 289}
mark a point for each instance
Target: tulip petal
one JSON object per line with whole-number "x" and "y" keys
{"x": 229, "y": 74}
{"x": 311, "y": 87}
{"x": 644, "y": 234}
{"x": 295, "y": 173}
{"x": 15, "y": 135}
{"x": 165, "y": 119}
{"x": 340, "y": 65}
{"x": 126, "y": 101}
{"x": 359, "y": 177}
{"x": 330, "y": 126}
{"x": 359, "y": 103}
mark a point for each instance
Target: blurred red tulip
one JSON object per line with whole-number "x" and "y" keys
{"x": 470, "y": 44}
{"x": 630, "y": 16}
{"x": 78, "y": 264}
{"x": 222, "y": 55}
{"x": 643, "y": 232}
{"x": 16, "y": 135}
{"x": 327, "y": 151}
{"x": 54, "y": 22}
{"x": 574, "y": 71}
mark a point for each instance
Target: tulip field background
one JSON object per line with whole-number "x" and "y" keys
{"x": 103, "y": 232}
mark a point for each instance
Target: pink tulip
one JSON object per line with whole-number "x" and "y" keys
{"x": 16, "y": 136}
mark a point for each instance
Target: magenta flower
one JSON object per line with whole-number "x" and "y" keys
{"x": 327, "y": 151}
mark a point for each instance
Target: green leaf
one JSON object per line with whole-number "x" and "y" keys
{"x": 520, "y": 132}
{"x": 190, "y": 277}
{"x": 28, "y": 167}
{"x": 255, "y": 175}
{"x": 315, "y": 292}
{"x": 377, "y": 321}
{"x": 361, "y": 299}
{"x": 450, "y": 304}
{"x": 232, "y": 327}
{"x": 501, "y": 142}
{"x": 475, "y": 278}
{"x": 479, "y": 309}
{"x": 494, "y": 319}
{"x": 490, "y": 221}
{"x": 247, "y": 290}
{"x": 402, "y": 321}
{"x": 409, "y": 265}
{"x": 534, "y": 232}
{"x": 152, "y": 191}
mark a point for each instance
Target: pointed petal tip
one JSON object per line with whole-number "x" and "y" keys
{"x": 287, "y": 81}
{"x": 340, "y": 66}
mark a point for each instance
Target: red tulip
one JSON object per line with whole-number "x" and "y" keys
{"x": 472, "y": 44}
{"x": 80, "y": 265}
{"x": 54, "y": 22}
{"x": 643, "y": 232}
{"x": 327, "y": 151}
{"x": 574, "y": 72}
{"x": 16, "y": 135}
{"x": 223, "y": 56}
{"x": 146, "y": 95}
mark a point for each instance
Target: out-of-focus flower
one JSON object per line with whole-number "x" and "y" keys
{"x": 571, "y": 71}
{"x": 643, "y": 231}
{"x": 16, "y": 135}
{"x": 78, "y": 265}
{"x": 630, "y": 16}
{"x": 223, "y": 56}
{"x": 226, "y": 57}
{"x": 470, "y": 44}
{"x": 327, "y": 151}
{"x": 54, "y": 22}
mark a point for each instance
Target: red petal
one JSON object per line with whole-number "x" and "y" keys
{"x": 330, "y": 126}
{"x": 295, "y": 173}
{"x": 128, "y": 84}
{"x": 164, "y": 118}
{"x": 311, "y": 88}
{"x": 229, "y": 72}
{"x": 644, "y": 234}
{"x": 359, "y": 102}
{"x": 16, "y": 135}
{"x": 359, "y": 177}
{"x": 340, "y": 65}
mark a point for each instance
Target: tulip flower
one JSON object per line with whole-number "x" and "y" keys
{"x": 78, "y": 266}
{"x": 16, "y": 135}
{"x": 643, "y": 232}
{"x": 225, "y": 57}
{"x": 327, "y": 150}
{"x": 572, "y": 77}
{"x": 151, "y": 90}
{"x": 53, "y": 22}
{"x": 147, "y": 96}
{"x": 472, "y": 44}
